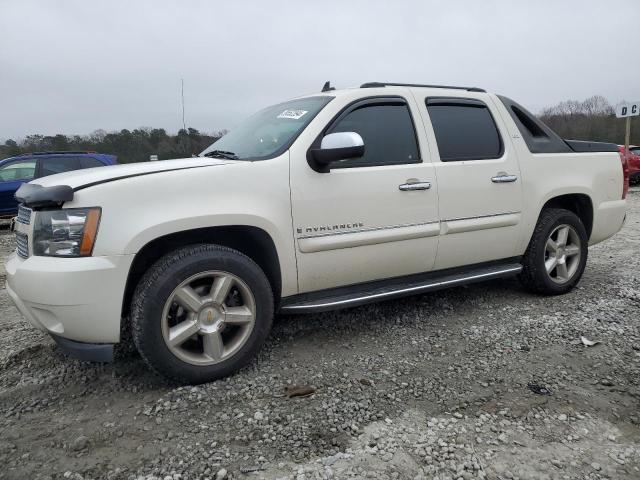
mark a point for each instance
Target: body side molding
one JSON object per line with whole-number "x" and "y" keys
{"x": 371, "y": 236}
{"x": 484, "y": 222}
{"x": 366, "y": 236}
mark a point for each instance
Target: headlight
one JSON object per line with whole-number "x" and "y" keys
{"x": 66, "y": 233}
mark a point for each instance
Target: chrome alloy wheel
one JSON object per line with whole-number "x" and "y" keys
{"x": 208, "y": 317}
{"x": 562, "y": 254}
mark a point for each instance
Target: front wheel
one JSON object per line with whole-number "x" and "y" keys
{"x": 557, "y": 253}
{"x": 201, "y": 312}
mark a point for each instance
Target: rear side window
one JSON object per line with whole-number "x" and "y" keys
{"x": 53, "y": 165}
{"x": 90, "y": 162}
{"x": 387, "y": 131}
{"x": 464, "y": 129}
{"x": 538, "y": 136}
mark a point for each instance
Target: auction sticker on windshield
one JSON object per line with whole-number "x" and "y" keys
{"x": 293, "y": 114}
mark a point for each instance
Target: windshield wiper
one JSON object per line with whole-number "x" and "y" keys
{"x": 221, "y": 154}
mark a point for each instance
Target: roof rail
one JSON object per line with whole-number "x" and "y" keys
{"x": 59, "y": 151}
{"x": 387, "y": 84}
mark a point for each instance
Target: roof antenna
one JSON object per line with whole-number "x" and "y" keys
{"x": 327, "y": 87}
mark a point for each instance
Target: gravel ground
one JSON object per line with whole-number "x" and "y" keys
{"x": 446, "y": 385}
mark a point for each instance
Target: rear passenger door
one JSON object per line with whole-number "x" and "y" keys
{"x": 480, "y": 198}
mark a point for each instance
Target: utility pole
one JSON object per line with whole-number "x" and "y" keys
{"x": 626, "y": 111}
{"x": 627, "y": 136}
{"x": 184, "y": 125}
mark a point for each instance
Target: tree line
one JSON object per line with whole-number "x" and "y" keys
{"x": 591, "y": 119}
{"x": 129, "y": 145}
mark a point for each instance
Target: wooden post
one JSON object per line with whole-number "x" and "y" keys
{"x": 627, "y": 135}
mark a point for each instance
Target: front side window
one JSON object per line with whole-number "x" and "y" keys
{"x": 19, "y": 170}
{"x": 464, "y": 129}
{"x": 269, "y": 132}
{"x": 53, "y": 165}
{"x": 387, "y": 131}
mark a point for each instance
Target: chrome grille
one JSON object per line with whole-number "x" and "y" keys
{"x": 22, "y": 245}
{"x": 24, "y": 215}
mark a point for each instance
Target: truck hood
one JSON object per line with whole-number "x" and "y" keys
{"x": 79, "y": 179}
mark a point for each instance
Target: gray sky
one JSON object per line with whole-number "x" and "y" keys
{"x": 77, "y": 66}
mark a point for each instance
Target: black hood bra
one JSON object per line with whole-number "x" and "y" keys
{"x": 37, "y": 196}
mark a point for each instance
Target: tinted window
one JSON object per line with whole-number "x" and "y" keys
{"x": 19, "y": 170}
{"x": 528, "y": 123}
{"x": 53, "y": 165}
{"x": 90, "y": 162}
{"x": 464, "y": 131}
{"x": 538, "y": 136}
{"x": 388, "y": 134}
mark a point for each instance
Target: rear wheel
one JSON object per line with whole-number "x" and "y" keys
{"x": 201, "y": 313}
{"x": 557, "y": 254}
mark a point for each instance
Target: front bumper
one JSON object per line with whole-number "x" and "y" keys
{"x": 90, "y": 352}
{"x": 77, "y": 299}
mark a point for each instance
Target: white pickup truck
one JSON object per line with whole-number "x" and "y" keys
{"x": 326, "y": 201}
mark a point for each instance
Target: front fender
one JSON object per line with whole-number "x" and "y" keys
{"x": 138, "y": 210}
{"x": 149, "y": 234}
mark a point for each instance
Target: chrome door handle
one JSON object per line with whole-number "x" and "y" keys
{"x": 409, "y": 187}
{"x": 504, "y": 178}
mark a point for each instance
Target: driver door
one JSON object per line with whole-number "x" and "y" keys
{"x": 358, "y": 222}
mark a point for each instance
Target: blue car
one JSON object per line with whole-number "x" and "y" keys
{"x": 15, "y": 171}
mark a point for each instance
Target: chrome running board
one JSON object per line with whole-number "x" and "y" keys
{"x": 371, "y": 292}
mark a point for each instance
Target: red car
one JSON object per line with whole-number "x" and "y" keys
{"x": 633, "y": 163}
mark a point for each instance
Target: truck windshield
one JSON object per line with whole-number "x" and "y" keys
{"x": 268, "y": 133}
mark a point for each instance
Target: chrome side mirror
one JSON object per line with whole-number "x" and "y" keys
{"x": 338, "y": 146}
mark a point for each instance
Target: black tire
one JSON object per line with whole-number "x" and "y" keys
{"x": 534, "y": 275}
{"x": 125, "y": 348}
{"x": 160, "y": 281}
